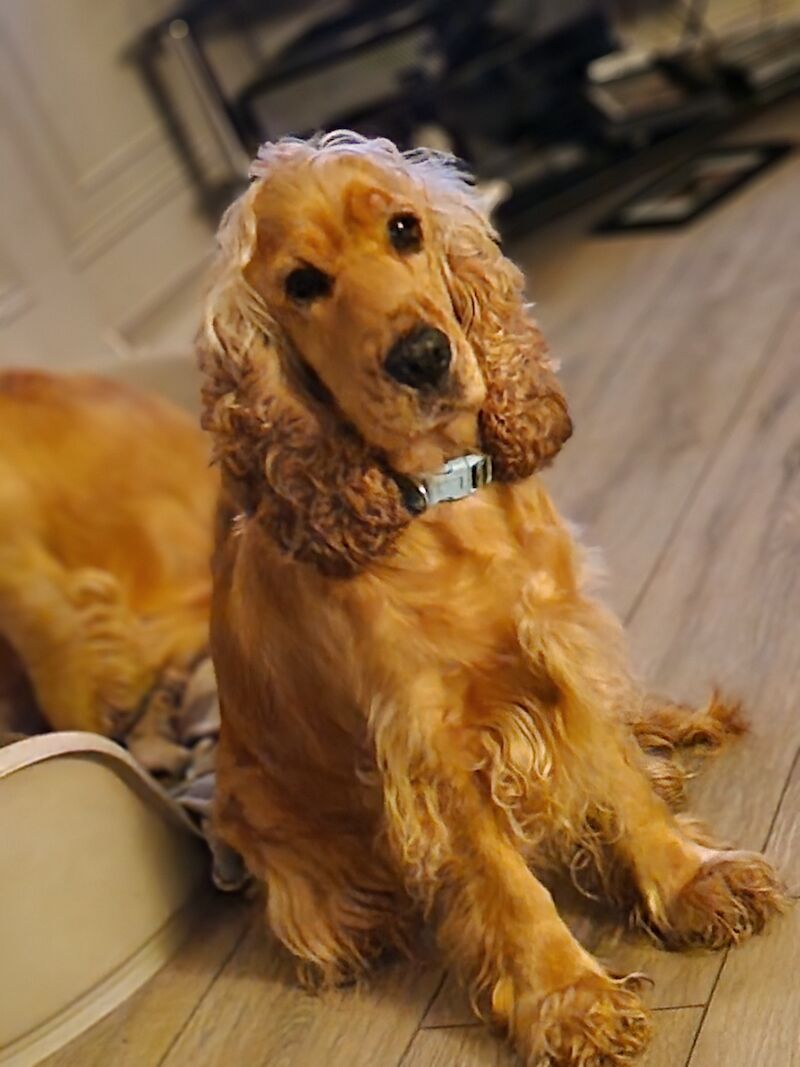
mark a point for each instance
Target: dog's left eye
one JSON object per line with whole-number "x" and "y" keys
{"x": 405, "y": 233}
{"x": 306, "y": 284}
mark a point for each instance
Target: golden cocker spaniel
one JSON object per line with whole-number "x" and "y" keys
{"x": 422, "y": 703}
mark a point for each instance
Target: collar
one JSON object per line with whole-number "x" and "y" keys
{"x": 458, "y": 478}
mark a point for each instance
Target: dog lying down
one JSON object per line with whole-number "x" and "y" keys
{"x": 423, "y": 707}
{"x": 106, "y": 512}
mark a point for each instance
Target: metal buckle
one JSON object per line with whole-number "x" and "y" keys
{"x": 458, "y": 478}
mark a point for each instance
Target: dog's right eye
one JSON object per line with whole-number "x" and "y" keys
{"x": 306, "y": 284}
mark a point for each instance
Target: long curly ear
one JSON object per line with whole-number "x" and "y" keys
{"x": 291, "y": 461}
{"x": 525, "y": 420}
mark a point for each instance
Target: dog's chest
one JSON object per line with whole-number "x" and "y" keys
{"x": 452, "y": 593}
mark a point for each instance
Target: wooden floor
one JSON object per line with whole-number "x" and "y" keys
{"x": 681, "y": 355}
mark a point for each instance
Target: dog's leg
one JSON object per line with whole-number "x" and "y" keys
{"x": 331, "y": 898}
{"x": 496, "y": 922}
{"x": 74, "y": 635}
{"x": 684, "y": 891}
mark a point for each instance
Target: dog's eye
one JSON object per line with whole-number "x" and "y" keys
{"x": 306, "y": 284}
{"x": 405, "y": 233}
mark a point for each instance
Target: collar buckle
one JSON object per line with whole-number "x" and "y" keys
{"x": 458, "y": 478}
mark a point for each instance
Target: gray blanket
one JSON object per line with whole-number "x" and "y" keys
{"x": 175, "y": 740}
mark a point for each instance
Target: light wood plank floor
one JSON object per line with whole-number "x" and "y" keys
{"x": 681, "y": 355}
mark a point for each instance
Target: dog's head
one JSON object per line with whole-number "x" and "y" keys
{"x": 364, "y": 325}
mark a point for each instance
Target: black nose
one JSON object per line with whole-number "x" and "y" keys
{"x": 420, "y": 358}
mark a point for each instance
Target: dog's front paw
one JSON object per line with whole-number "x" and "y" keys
{"x": 731, "y": 897}
{"x": 598, "y": 1021}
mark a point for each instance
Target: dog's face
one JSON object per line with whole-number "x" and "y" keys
{"x": 362, "y": 325}
{"x": 351, "y": 266}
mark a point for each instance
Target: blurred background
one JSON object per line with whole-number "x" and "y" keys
{"x": 127, "y": 126}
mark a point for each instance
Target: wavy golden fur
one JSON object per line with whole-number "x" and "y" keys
{"x": 422, "y": 710}
{"x": 106, "y": 506}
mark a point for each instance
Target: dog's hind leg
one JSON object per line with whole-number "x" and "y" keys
{"x": 74, "y": 635}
